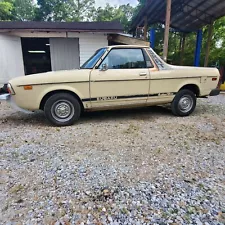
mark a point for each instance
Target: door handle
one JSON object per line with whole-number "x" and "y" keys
{"x": 143, "y": 74}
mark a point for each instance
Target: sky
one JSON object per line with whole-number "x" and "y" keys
{"x": 115, "y": 2}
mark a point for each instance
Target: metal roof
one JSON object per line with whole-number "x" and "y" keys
{"x": 186, "y": 15}
{"x": 113, "y": 26}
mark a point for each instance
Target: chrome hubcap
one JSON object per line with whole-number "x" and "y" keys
{"x": 185, "y": 104}
{"x": 62, "y": 110}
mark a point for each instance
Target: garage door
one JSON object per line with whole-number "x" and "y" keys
{"x": 11, "y": 58}
{"x": 64, "y": 53}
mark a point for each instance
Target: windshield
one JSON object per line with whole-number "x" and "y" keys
{"x": 90, "y": 63}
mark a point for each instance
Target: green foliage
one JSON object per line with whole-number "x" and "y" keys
{"x": 17, "y": 10}
{"x": 84, "y": 10}
{"x": 23, "y": 10}
{"x": 122, "y": 13}
{"x": 64, "y": 10}
{"x": 53, "y": 10}
{"x": 217, "y": 47}
{"x": 6, "y": 8}
{"x": 217, "y": 52}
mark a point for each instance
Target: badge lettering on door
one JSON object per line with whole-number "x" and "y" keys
{"x": 107, "y": 98}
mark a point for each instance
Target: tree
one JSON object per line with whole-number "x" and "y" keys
{"x": 123, "y": 14}
{"x": 218, "y": 43}
{"x": 53, "y": 10}
{"x": 105, "y": 14}
{"x": 64, "y": 10}
{"x": 6, "y": 8}
{"x": 83, "y": 10}
{"x": 23, "y": 10}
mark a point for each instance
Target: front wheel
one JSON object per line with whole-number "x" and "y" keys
{"x": 62, "y": 109}
{"x": 183, "y": 103}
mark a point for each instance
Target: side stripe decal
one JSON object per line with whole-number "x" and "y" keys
{"x": 70, "y": 82}
{"x": 76, "y": 82}
{"x": 130, "y": 96}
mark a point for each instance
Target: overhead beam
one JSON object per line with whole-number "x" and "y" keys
{"x": 167, "y": 29}
{"x": 210, "y": 33}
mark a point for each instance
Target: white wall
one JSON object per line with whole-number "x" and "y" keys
{"x": 11, "y": 59}
{"x": 64, "y": 53}
{"x": 89, "y": 43}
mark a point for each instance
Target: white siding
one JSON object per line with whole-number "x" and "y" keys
{"x": 11, "y": 58}
{"x": 89, "y": 43}
{"x": 64, "y": 53}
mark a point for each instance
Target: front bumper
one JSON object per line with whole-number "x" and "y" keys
{"x": 214, "y": 92}
{"x": 4, "y": 97}
{"x": 9, "y": 99}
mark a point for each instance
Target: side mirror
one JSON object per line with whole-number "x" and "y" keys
{"x": 104, "y": 67}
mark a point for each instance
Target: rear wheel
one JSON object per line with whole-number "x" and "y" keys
{"x": 62, "y": 109}
{"x": 184, "y": 103}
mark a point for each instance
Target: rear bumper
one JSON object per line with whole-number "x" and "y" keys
{"x": 214, "y": 92}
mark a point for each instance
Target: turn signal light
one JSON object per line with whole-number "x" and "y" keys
{"x": 214, "y": 78}
{"x": 27, "y": 87}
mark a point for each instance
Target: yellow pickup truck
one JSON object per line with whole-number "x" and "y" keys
{"x": 114, "y": 77}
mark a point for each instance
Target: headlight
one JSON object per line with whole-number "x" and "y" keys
{"x": 10, "y": 89}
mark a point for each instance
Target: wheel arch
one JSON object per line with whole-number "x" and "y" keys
{"x": 50, "y": 93}
{"x": 192, "y": 87}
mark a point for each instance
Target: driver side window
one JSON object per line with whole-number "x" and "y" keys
{"x": 124, "y": 59}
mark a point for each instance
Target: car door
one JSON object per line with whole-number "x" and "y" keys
{"x": 122, "y": 78}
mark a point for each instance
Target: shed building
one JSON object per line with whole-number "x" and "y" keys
{"x": 36, "y": 47}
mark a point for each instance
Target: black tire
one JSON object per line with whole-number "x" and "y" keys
{"x": 184, "y": 103}
{"x": 62, "y": 109}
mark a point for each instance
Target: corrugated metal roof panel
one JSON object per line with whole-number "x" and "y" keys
{"x": 186, "y": 15}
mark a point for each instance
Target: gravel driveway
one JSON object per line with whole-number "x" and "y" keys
{"x": 141, "y": 166}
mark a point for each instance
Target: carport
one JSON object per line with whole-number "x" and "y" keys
{"x": 183, "y": 16}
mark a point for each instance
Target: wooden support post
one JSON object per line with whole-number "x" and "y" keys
{"x": 210, "y": 33}
{"x": 167, "y": 29}
{"x": 182, "y": 49}
{"x": 145, "y": 28}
